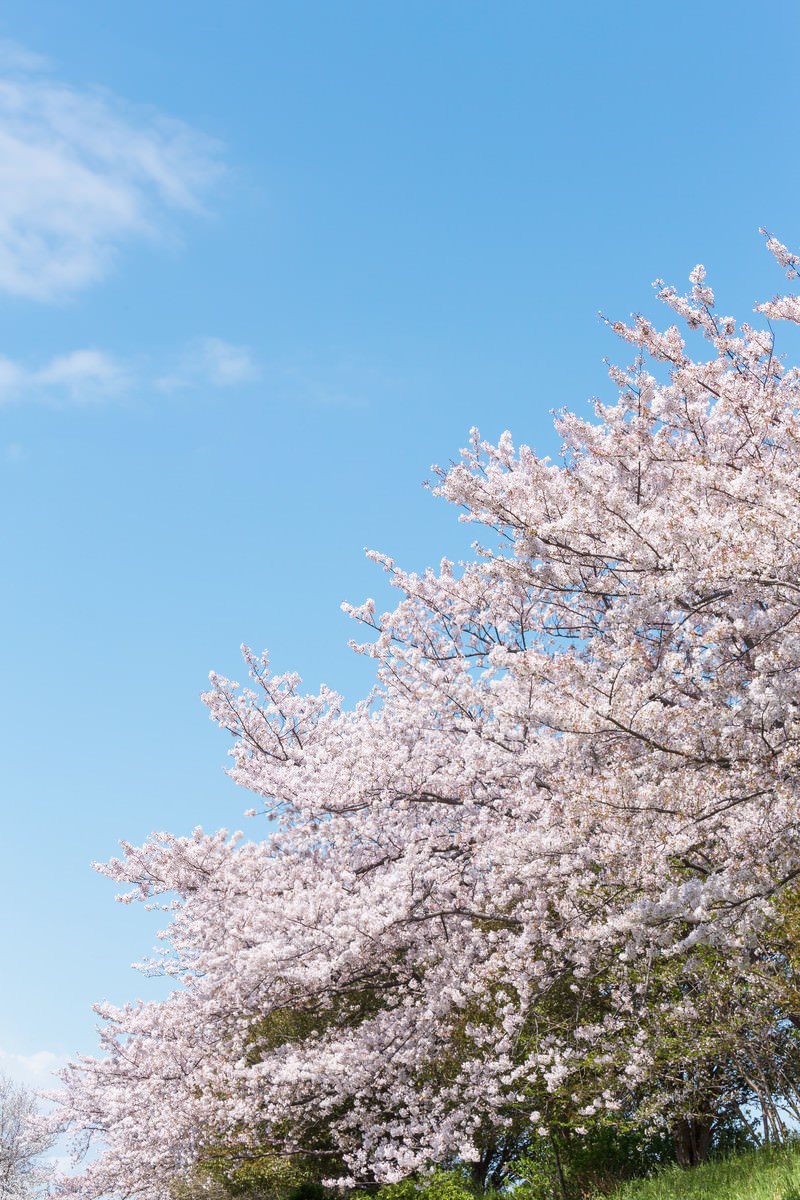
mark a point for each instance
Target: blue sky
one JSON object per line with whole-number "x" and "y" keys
{"x": 260, "y": 266}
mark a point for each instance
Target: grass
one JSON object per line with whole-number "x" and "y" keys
{"x": 769, "y": 1174}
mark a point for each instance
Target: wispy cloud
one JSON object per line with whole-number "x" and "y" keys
{"x": 14, "y": 57}
{"x": 81, "y": 173}
{"x": 211, "y": 361}
{"x": 91, "y": 376}
{"x": 81, "y": 377}
{"x": 35, "y": 1069}
{"x": 335, "y": 381}
{"x": 83, "y": 374}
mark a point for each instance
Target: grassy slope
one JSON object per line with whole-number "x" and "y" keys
{"x": 762, "y": 1175}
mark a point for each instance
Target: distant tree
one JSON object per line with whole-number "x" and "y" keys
{"x": 22, "y": 1141}
{"x": 533, "y": 881}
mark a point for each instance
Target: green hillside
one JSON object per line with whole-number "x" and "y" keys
{"x": 759, "y": 1175}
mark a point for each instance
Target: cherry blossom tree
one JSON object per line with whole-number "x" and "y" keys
{"x": 532, "y": 879}
{"x": 22, "y": 1142}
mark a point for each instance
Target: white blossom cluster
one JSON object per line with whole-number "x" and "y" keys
{"x": 505, "y": 881}
{"x": 23, "y": 1142}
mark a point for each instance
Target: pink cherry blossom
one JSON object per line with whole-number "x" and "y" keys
{"x": 578, "y": 764}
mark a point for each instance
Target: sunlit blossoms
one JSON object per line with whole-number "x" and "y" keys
{"x": 557, "y": 841}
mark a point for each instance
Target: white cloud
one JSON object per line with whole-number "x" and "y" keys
{"x": 211, "y": 361}
{"x": 92, "y": 376}
{"x": 35, "y": 1070}
{"x": 14, "y": 57}
{"x": 225, "y": 365}
{"x": 82, "y": 172}
{"x": 83, "y": 374}
{"x": 13, "y": 378}
{"x": 80, "y": 377}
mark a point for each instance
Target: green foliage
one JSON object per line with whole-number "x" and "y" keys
{"x": 264, "y": 1178}
{"x": 590, "y": 1165}
{"x": 307, "y": 1191}
{"x": 442, "y": 1185}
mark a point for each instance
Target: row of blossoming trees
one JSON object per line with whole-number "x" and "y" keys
{"x": 543, "y": 878}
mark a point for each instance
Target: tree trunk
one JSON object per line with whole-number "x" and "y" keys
{"x": 691, "y": 1137}
{"x": 562, "y": 1183}
{"x": 480, "y": 1170}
